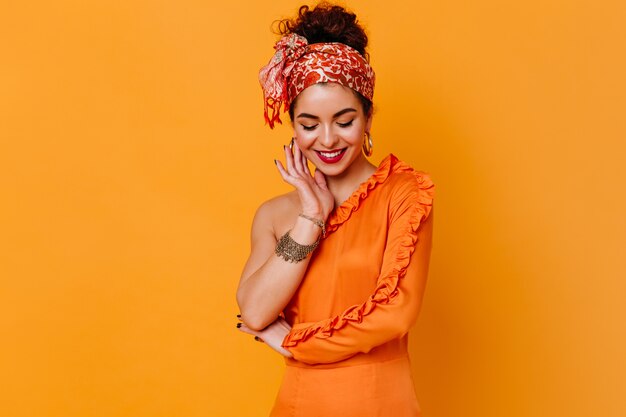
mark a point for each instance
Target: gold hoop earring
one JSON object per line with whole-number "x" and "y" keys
{"x": 368, "y": 145}
{"x": 291, "y": 143}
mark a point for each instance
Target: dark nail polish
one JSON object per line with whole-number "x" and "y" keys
{"x": 274, "y": 161}
{"x": 239, "y": 315}
{"x": 238, "y": 325}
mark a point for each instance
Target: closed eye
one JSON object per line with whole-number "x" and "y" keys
{"x": 305, "y": 127}
{"x": 346, "y": 124}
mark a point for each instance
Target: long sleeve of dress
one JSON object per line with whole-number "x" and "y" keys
{"x": 393, "y": 307}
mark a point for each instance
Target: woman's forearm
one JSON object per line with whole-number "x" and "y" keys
{"x": 263, "y": 294}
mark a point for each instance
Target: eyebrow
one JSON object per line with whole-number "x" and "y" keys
{"x": 339, "y": 113}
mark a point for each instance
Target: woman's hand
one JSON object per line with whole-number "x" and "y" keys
{"x": 315, "y": 197}
{"x": 273, "y": 335}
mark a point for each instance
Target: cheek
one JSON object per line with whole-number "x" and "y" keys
{"x": 354, "y": 135}
{"x": 305, "y": 138}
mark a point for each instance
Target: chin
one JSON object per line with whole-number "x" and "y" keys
{"x": 330, "y": 171}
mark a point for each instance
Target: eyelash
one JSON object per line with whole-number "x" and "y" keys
{"x": 340, "y": 125}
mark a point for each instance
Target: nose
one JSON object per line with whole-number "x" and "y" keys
{"x": 327, "y": 138}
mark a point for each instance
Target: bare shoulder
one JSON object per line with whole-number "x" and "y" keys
{"x": 275, "y": 214}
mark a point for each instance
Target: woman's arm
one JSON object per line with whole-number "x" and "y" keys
{"x": 268, "y": 281}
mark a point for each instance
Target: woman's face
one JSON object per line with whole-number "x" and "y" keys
{"x": 329, "y": 126}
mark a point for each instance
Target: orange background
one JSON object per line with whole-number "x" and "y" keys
{"x": 133, "y": 155}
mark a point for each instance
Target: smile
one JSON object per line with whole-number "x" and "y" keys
{"x": 332, "y": 156}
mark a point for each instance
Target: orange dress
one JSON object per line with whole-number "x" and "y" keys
{"x": 361, "y": 293}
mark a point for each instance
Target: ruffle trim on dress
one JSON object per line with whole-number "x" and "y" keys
{"x": 386, "y": 289}
{"x": 342, "y": 213}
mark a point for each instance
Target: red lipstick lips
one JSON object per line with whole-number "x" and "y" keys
{"x": 331, "y": 157}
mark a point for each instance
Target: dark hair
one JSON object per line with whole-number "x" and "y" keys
{"x": 328, "y": 23}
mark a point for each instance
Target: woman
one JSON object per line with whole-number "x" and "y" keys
{"x": 338, "y": 266}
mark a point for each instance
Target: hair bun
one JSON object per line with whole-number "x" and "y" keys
{"x": 326, "y": 23}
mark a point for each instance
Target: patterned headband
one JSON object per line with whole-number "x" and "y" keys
{"x": 297, "y": 65}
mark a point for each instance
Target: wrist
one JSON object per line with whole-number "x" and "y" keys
{"x": 305, "y": 232}
{"x": 318, "y": 221}
{"x": 314, "y": 214}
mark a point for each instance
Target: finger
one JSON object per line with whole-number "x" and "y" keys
{"x": 285, "y": 326}
{"x": 278, "y": 348}
{"x": 320, "y": 180}
{"x": 282, "y": 170}
{"x": 289, "y": 161}
{"x": 297, "y": 156}
{"x": 248, "y": 330}
{"x": 280, "y": 167}
{"x": 305, "y": 163}
{"x": 288, "y": 178}
{"x": 284, "y": 352}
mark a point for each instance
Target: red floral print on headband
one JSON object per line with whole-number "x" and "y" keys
{"x": 296, "y": 65}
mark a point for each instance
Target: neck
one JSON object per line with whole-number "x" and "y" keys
{"x": 343, "y": 185}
